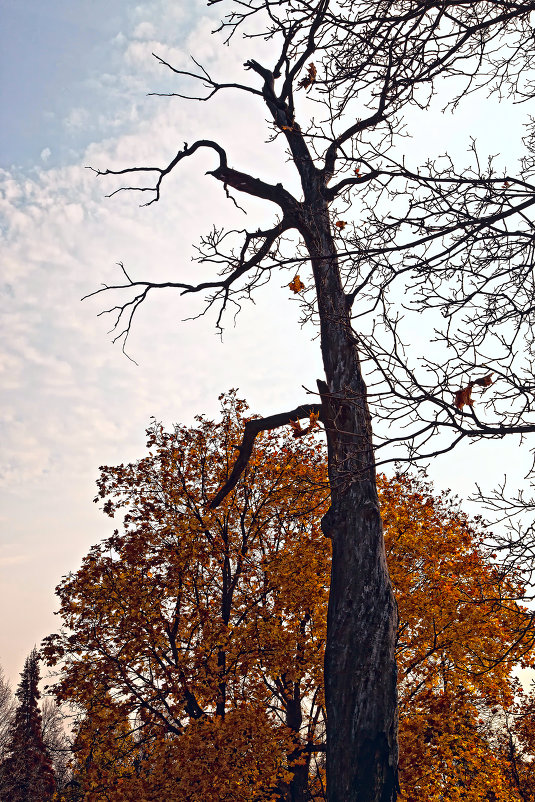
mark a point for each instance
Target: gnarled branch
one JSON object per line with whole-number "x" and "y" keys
{"x": 252, "y": 428}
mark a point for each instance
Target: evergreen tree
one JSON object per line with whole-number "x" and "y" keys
{"x": 26, "y": 774}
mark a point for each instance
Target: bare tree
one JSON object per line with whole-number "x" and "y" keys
{"x": 56, "y": 740}
{"x": 362, "y": 64}
{"x": 7, "y": 709}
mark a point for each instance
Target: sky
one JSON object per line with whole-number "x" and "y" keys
{"x": 74, "y": 79}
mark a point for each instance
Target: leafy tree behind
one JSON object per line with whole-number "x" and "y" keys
{"x": 194, "y": 638}
{"x": 26, "y": 773}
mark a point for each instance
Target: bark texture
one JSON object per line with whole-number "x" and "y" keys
{"x": 360, "y": 667}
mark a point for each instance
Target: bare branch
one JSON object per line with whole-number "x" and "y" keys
{"x": 229, "y": 177}
{"x": 215, "y": 86}
{"x": 223, "y": 287}
{"x": 163, "y": 171}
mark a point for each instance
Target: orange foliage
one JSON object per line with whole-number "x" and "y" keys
{"x": 208, "y": 627}
{"x": 213, "y": 620}
{"x": 461, "y": 633}
{"x": 104, "y": 751}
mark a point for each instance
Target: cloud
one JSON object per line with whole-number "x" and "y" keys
{"x": 45, "y": 155}
{"x": 71, "y": 397}
{"x": 144, "y": 30}
{"x": 16, "y": 559}
{"x": 76, "y": 119}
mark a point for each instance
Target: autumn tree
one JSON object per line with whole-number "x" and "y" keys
{"x": 463, "y": 630}
{"x": 199, "y": 621}
{"x": 336, "y": 83}
{"x": 26, "y": 773}
{"x": 194, "y": 638}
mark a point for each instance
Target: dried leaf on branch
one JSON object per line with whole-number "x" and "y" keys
{"x": 296, "y": 285}
{"x": 314, "y": 416}
{"x": 309, "y": 79}
{"x": 485, "y": 381}
{"x": 298, "y": 431}
{"x": 463, "y": 397}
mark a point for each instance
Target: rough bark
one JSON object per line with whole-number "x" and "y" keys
{"x": 297, "y": 790}
{"x": 360, "y": 668}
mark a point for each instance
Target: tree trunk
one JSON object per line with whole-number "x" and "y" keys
{"x": 360, "y": 668}
{"x": 297, "y": 791}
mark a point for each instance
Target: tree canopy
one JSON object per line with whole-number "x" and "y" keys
{"x": 194, "y": 638}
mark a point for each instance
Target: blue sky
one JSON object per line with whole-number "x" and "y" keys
{"x": 48, "y": 51}
{"x": 74, "y": 79}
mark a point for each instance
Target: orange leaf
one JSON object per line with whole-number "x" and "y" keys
{"x": 296, "y": 285}
{"x": 341, "y": 224}
{"x": 463, "y": 397}
{"x": 296, "y": 426}
{"x": 313, "y": 421}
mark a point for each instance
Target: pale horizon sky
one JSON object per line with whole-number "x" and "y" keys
{"x": 74, "y": 79}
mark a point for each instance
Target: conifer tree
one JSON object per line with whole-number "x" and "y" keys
{"x": 26, "y": 774}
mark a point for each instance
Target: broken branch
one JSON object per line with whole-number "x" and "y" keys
{"x": 254, "y": 427}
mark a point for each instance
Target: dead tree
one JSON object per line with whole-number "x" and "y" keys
{"x": 364, "y": 62}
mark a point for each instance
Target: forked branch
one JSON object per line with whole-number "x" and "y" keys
{"x": 221, "y": 289}
{"x": 205, "y": 78}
